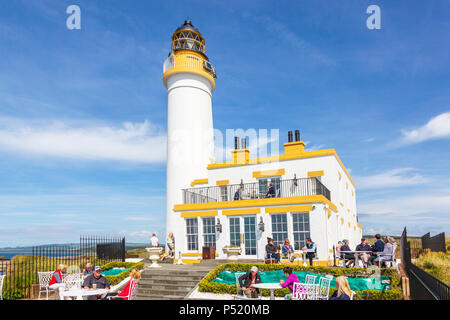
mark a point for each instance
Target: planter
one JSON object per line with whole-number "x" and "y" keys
{"x": 154, "y": 256}
{"x": 232, "y": 252}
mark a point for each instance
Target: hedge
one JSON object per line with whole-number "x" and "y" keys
{"x": 113, "y": 280}
{"x": 206, "y": 284}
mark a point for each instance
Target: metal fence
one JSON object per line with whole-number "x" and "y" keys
{"x": 422, "y": 285}
{"x": 435, "y": 243}
{"x": 258, "y": 190}
{"x": 22, "y": 271}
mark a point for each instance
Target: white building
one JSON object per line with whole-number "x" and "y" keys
{"x": 314, "y": 193}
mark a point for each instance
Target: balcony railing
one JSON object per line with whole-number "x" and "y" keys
{"x": 189, "y": 61}
{"x": 285, "y": 188}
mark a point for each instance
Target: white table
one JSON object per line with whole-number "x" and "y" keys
{"x": 270, "y": 286}
{"x": 79, "y": 293}
{"x": 356, "y": 255}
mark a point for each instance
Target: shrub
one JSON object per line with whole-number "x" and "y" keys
{"x": 113, "y": 280}
{"x": 206, "y": 284}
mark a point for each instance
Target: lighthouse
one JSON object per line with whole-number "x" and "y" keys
{"x": 190, "y": 80}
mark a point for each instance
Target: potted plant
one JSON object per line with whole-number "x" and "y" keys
{"x": 154, "y": 256}
{"x": 232, "y": 251}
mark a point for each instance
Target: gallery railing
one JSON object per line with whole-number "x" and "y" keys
{"x": 285, "y": 188}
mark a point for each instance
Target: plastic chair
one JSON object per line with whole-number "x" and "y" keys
{"x": 388, "y": 258}
{"x": 351, "y": 296}
{"x": 133, "y": 290}
{"x": 1, "y": 286}
{"x": 299, "y": 291}
{"x": 323, "y": 289}
{"x": 310, "y": 279}
{"x": 44, "y": 279}
{"x": 73, "y": 281}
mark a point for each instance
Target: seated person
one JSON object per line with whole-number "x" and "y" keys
{"x": 309, "y": 251}
{"x": 97, "y": 280}
{"x": 343, "y": 291}
{"x": 364, "y": 256}
{"x": 289, "y": 283}
{"x": 56, "y": 282}
{"x": 271, "y": 250}
{"x": 238, "y": 194}
{"x": 270, "y": 191}
{"x": 349, "y": 258}
{"x": 388, "y": 251}
{"x": 287, "y": 251}
{"x": 378, "y": 246}
{"x": 247, "y": 280}
{"x": 134, "y": 276}
{"x": 88, "y": 269}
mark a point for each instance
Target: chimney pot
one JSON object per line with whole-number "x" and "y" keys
{"x": 289, "y": 136}
{"x": 297, "y": 135}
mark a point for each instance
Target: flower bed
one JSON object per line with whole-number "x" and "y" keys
{"x": 115, "y": 279}
{"x": 395, "y": 293}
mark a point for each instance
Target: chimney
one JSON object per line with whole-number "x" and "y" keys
{"x": 244, "y": 143}
{"x": 240, "y": 155}
{"x": 236, "y": 143}
{"x": 297, "y": 135}
{"x": 289, "y": 136}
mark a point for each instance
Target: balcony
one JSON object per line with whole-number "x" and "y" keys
{"x": 257, "y": 190}
{"x": 188, "y": 62}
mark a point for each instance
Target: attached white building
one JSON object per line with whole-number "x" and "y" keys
{"x": 314, "y": 194}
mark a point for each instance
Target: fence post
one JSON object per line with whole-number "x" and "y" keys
{"x": 123, "y": 249}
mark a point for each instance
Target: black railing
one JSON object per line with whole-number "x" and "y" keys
{"x": 21, "y": 272}
{"x": 422, "y": 285}
{"x": 435, "y": 243}
{"x": 285, "y": 188}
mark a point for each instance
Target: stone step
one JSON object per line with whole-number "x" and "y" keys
{"x": 170, "y": 274}
{"x": 159, "y": 297}
{"x": 172, "y": 278}
{"x": 168, "y": 282}
{"x": 167, "y": 285}
{"x": 160, "y": 292}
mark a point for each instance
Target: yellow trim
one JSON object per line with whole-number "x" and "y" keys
{"x": 353, "y": 193}
{"x": 268, "y": 173}
{"x": 346, "y": 185}
{"x": 199, "y": 214}
{"x": 194, "y": 254}
{"x": 329, "y": 212}
{"x": 348, "y": 210}
{"x": 295, "y": 148}
{"x": 240, "y": 156}
{"x": 342, "y": 220}
{"x": 340, "y": 176}
{"x": 188, "y": 261}
{"x": 341, "y": 204}
{"x": 289, "y": 209}
{"x": 283, "y": 157}
{"x": 312, "y": 174}
{"x": 222, "y": 182}
{"x": 255, "y": 203}
{"x": 199, "y": 181}
{"x": 349, "y": 225}
{"x": 240, "y": 211}
{"x": 359, "y": 225}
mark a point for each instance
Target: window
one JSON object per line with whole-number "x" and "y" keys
{"x": 209, "y": 232}
{"x": 192, "y": 233}
{"x": 301, "y": 229}
{"x": 235, "y": 231}
{"x": 279, "y": 228}
{"x": 264, "y": 184}
{"x": 223, "y": 193}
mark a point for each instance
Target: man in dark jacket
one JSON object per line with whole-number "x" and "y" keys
{"x": 364, "y": 256}
{"x": 378, "y": 246}
{"x": 247, "y": 280}
{"x": 271, "y": 250}
{"x": 348, "y": 257}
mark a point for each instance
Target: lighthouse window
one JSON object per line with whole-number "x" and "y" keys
{"x": 209, "y": 233}
{"x": 301, "y": 229}
{"x": 279, "y": 228}
{"x": 192, "y": 233}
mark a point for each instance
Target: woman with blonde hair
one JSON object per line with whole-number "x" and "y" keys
{"x": 287, "y": 251}
{"x": 134, "y": 277}
{"x": 171, "y": 244}
{"x": 56, "y": 282}
{"x": 343, "y": 291}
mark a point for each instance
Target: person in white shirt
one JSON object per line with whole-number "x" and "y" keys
{"x": 154, "y": 241}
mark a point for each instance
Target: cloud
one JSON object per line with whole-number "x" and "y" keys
{"x": 394, "y": 178}
{"x": 140, "y": 219}
{"x": 85, "y": 140}
{"x": 437, "y": 128}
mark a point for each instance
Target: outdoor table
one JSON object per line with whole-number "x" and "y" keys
{"x": 356, "y": 255}
{"x": 79, "y": 293}
{"x": 270, "y": 286}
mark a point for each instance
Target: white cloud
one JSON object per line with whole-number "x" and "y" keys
{"x": 438, "y": 127}
{"x": 87, "y": 140}
{"x": 395, "y": 178}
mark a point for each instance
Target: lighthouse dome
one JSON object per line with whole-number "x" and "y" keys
{"x": 187, "y": 37}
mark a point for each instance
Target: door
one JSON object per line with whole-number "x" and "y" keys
{"x": 243, "y": 234}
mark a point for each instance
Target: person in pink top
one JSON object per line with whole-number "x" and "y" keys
{"x": 289, "y": 283}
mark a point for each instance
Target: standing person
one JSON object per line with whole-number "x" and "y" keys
{"x": 88, "y": 269}
{"x": 238, "y": 194}
{"x": 310, "y": 250}
{"x": 343, "y": 291}
{"x": 171, "y": 244}
{"x": 270, "y": 191}
{"x": 154, "y": 241}
{"x": 287, "y": 250}
{"x": 134, "y": 277}
{"x": 271, "y": 250}
{"x": 364, "y": 256}
{"x": 247, "y": 280}
{"x": 96, "y": 281}
{"x": 291, "y": 279}
{"x": 378, "y": 246}
{"x": 56, "y": 282}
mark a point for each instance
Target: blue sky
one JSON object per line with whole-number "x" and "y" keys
{"x": 83, "y": 112}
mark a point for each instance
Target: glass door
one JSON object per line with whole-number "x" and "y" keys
{"x": 243, "y": 234}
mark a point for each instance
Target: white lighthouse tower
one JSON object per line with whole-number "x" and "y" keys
{"x": 189, "y": 79}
